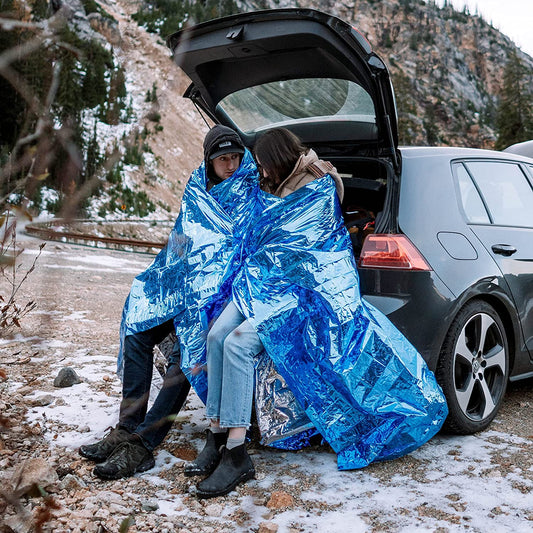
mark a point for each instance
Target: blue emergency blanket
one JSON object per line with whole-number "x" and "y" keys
{"x": 288, "y": 265}
{"x": 195, "y": 268}
{"x": 362, "y": 384}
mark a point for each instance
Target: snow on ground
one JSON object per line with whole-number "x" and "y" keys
{"x": 476, "y": 483}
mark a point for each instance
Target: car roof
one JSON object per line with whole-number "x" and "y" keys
{"x": 524, "y": 148}
{"x": 459, "y": 152}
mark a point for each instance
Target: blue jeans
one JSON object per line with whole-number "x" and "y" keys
{"x": 232, "y": 344}
{"x": 152, "y": 426}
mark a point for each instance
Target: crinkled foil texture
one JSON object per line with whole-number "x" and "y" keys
{"x": 361, "y": 383}
{"x": 332, "y": 361}
{"x": 281, "y": 420}
{"x": 190, "y": 279}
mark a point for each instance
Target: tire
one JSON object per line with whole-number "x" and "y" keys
{"x": 473, "y": 368}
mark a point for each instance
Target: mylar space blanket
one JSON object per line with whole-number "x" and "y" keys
{"x": 196, "y": 265}
{"x": 288, "y": 263}
{"x": 362, "y": 384}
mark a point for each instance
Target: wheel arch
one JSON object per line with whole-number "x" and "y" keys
{"x": 458, "y": 421}
{"x": 510, "y": 330}
{"x": 502, "y": 304}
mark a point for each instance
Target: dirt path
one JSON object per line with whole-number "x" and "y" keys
{"x": 475, "y": 483}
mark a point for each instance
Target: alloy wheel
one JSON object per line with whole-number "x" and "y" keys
{"x": 479, "y": 367}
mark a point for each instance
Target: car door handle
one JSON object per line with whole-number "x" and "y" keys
{"x": 503, "y": 249}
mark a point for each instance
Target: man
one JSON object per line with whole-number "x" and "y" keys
{"x": 128, "y": 448}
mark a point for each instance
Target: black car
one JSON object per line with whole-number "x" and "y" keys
{"x": 443, "y": 236}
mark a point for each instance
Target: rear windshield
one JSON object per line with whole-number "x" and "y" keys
{"x": 294, "y": 101}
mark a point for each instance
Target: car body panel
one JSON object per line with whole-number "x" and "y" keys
{"x": 506, "y": 190}
{"x": 429, "y": 207}
{"x": 415, "y": 302}
{"x": 524, "y": 148}
{"x": 516, "y": 270}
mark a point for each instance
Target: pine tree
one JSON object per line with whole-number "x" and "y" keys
{"x": 93, "y": 155}
{"x": 514, "y": 121}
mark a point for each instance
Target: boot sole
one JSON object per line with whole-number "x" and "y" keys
{"x": 241, "y": 479}
{"x": 143, "y": 467}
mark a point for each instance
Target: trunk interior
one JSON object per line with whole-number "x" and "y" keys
{"x": 367, "y": 203}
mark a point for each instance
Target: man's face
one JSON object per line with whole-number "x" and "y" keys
{"x": 225, "y": 165}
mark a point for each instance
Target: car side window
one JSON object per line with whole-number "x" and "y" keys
{"x": 506, "y": 192}
{"x": 471, "y": 200}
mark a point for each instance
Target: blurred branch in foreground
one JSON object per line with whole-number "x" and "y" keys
{"x": 11, "y": 313}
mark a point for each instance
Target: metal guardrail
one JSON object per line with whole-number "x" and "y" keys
{"x": 57, "y": 230}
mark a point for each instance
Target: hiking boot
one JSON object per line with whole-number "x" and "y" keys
{"x": 235, "y": 467}
{"x": 101, "y": 450}
{"x": 127, "y": 459}
{"x": 208, "y": 458}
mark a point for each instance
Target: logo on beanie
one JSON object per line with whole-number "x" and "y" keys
{"x": 224, "y": 144}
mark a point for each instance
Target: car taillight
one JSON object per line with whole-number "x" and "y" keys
{"x": 391, "y": 251}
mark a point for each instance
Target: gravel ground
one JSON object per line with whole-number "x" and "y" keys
{"x": 475, "y": 483}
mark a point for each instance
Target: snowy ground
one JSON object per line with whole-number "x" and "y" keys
{"x": 476, "y": 483}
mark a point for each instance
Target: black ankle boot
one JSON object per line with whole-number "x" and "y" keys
{"x": 209, "y": 457}
{"x": 235, "y": 467}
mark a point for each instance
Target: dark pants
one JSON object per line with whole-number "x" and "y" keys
{"x": 151, "y": 426}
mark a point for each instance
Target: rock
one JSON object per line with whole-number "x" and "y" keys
{"x": 19, "y": 523}
{"x": 268, "y": 527}
{"x": 25, "y": 390}
{"x": 31, "y": 473}
{"x": 66, "y": 378}
{"x": 150, "y": 505}
{"x": 118, "y": 509}
{"x": 72, "y": 482}
{"x": 110, "y": 497}
{"x": 106, "y": 27}
{"x": 36, "y": 429}
{"x": 41, "y": 401}
{"x": 214, "y": 510}
{"x": 185, "y": 452}
{"x": 280, "y": 499}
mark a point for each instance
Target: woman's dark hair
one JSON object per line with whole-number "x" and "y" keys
{"x": 278, "y": 151}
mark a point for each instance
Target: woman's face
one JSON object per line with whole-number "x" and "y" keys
{"x": 261, "y": 168}
{"x": 225, "y": 165}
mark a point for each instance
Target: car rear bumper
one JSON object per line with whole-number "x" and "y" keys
{"x": 417, "y": 303}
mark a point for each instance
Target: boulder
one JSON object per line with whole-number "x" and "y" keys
{"x": 30, "y": 474}
{"x": 66, "y": 378}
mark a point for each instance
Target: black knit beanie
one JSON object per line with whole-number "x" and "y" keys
{"x": 221, "y": 140}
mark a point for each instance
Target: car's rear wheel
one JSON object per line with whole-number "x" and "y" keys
{"x": 473, "y": 368}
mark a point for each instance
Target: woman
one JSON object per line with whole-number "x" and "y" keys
{"x": 286, "y": 165}
{"x": 232, "y": 343}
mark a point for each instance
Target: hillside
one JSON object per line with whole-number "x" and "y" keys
{"x": 446, "y": 66}
{"x": 447, "y": 69}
